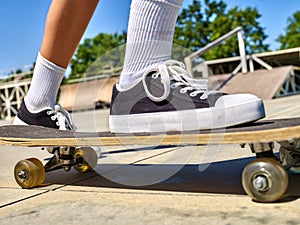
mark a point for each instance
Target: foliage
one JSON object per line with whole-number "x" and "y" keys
{"x": 93, "y": 48}
{"x": 291, "y": 38}
{"x": 204, "y": 21}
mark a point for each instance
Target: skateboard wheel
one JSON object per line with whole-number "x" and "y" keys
{"x": 265, "y": 180}
{"x": 42, "y": 172}
{"x": 29, "y": 173}
{"x": 86, "y": 159}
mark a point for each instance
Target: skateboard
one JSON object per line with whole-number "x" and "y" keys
{"x": 265, "y": 179}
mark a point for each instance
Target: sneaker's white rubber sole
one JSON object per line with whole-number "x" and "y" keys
{"x": 245, "y": 108}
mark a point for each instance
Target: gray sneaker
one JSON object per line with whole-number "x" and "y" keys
{"x": 167, "y": 98}
{"x": 54, "y": 118}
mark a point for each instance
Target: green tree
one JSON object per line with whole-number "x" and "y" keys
{"x": 204, "y": 21}
{"x": 93, "y": 48}
{"x": 291, "y": 37}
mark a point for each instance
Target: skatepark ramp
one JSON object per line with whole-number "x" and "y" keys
{"x": 87, "y": 95}
{"x": 266, "y": 84}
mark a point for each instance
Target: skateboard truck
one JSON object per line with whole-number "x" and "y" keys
{"x": 63, "y": 158}
{"x": 263, "y": 150}
{"x": 289, "y": 152}
{"x": 81, "y": 158}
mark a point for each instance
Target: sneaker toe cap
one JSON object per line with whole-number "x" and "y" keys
{"x": 237, "y": 99}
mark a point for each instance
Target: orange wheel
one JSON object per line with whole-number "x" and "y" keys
{"x": 28, "y": 173}
{"x": 86, "y": 159}
{"x": 42, "y": 172}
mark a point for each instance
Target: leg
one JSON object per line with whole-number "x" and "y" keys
{"x": 65, "y": 25}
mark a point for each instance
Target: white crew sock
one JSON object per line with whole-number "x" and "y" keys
{"x": 44, "y": 86}
{"x": 150, "y": 36}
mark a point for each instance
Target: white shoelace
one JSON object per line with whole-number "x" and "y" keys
{"x": 175, "y": 70}
{"x": 64, "y": 121}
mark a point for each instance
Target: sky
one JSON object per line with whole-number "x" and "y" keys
{"x": 22, "y": 24}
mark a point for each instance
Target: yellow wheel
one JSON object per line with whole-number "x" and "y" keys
{"x": 265, "y": 180}
{"x": 86, "y": 159}
{"x": 29, "y": 173}
{"x": 42, "y": 172}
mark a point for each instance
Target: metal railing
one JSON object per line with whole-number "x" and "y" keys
{"x": 237, "y": 31}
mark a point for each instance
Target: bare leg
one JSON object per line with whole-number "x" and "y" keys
{"x": 65, "y": 25}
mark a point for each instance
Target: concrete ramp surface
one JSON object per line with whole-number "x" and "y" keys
{"x": 263, "y": 83}
{"x": 84, "y": 95}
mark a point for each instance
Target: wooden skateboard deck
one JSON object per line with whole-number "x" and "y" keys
{"x": 265, "y": 179}
{"x": 258, "y": 132}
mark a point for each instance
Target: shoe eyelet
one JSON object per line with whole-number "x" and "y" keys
{"x": 155, "y": 75}
{"x": 57, "y": 124}
{"x": 193, "y": 94}
{"x": 182, "y": 91}
{"x": 53, "y": 118}
{"x": 48, "y": 112}
{"x": 173, "y": 86}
